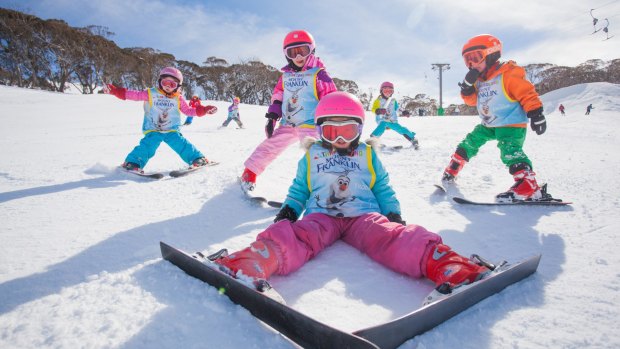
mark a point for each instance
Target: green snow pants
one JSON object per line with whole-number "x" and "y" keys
{"x": 509, "y": 141}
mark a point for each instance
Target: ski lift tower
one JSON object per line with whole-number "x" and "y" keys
{"x": 440, "y": 67}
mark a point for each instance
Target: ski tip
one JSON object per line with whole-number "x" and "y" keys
{"x": 440, "y": 188}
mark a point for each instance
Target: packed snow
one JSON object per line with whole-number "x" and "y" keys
{"x": 80, "y": 265}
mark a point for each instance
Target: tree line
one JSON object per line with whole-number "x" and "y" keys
{"x": 51, "y": 55}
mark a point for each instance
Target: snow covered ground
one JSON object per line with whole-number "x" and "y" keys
{"x": 79, "y": 255}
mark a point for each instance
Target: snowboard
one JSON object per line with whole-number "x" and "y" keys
{"x": 310, "y": 333}
{"x": 186, "y": 171}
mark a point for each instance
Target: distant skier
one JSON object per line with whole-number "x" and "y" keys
{"x": 194, "y": 102}
{"x": 561, "y": 108}
{"x": 385, "y": 108}
{"x": 163, "y": 106}
{"x": 589, "y": 108}
{"x": 371, "y": 222}
{"x": 303, "y": 83}
{"x": 233, "y": 114}
{"x": 505, "y": 101}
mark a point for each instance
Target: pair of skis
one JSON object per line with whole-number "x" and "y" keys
{"x": 173, "y": 174}
{"x": 310, "y": 333}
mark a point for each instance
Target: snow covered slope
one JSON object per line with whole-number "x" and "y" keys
{"x": 79, "y": 254}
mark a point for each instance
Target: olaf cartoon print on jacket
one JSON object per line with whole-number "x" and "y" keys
{"x": 339, "y": 193}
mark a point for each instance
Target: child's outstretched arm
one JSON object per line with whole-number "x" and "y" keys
{"x": 199, "y": 110}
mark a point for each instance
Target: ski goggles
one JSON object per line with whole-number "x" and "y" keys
{"x": 474, "y": 57}
{"x": 332, "y": 131}
{"x": 169, "y": 83}
{"x": 303, "y": 50}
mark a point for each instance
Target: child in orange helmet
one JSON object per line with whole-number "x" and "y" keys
{"x": 506, "y": 100}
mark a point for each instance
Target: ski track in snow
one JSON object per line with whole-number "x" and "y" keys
{"x": 80, "y": 263}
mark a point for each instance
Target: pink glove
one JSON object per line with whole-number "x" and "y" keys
{"x": 119, "y": 92}
{"x": 209, "y": 109}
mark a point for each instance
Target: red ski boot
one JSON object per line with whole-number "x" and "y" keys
{"x": 448, "y": 270}
{"x": 256, "y": 262}
{"x": 456, "y": 164}
{"x": 248, "y": 180}
{"x": 525, "y": 188}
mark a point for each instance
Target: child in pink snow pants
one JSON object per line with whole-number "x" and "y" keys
{"x": 303, "y": 83}
{"x": 344, "y": 191}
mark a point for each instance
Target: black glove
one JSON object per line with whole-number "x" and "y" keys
{"x": 276, "y": 106}
{"x": 269, "y": 127}
{"x": 272, "y": 116}
{"x": 286, "y": 213}
{"x": 467, "y": 86}
{"x": 381, "y": 111}
{"x": 396, "y": 218}
{"x": 537, "y": 120}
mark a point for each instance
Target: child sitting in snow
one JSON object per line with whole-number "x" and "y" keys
{"x": 163, "y": 106}
{"x": 345, "y": 192}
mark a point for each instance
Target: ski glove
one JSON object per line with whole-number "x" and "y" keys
{"x": 119, "y": 92}
{"x": 467, "y": 86}
{"x": 275, "y": 110}
{"x": 269, "y": 127}
{"x": 396, "y": 218}
{"x": 537, "y": 120}
{"x": 286, "y": 213}
{"x": 381, "y": 111}
{"x": 202, "y": 110}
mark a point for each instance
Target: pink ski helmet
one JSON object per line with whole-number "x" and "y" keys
{"x": 387, "y": 84}
{"x": 172, "y": 72}
{"x": 299, "y": 38}
{"x": 339, "y": 103}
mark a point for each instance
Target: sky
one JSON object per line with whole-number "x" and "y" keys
{"x": 364, "y": 41}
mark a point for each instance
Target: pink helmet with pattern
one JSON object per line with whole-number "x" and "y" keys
{"x": 172, "y": 72}
{"x": 339, "y": 103}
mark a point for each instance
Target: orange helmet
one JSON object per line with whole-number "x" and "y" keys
{"x": 482, "y": 47}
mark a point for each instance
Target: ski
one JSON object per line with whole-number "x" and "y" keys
{"x": 392, "y": 334}
{"x": 257, "y": 199}
{"x": 553, "y": 202}
{"x": 186, "y": 171}
{"x": 440, "y": 188}
{"x": 391, "y": 147}
{"x": 276, "y": 204}
{"x": 153, "y": 175}
{"x": 299, "y": 328}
